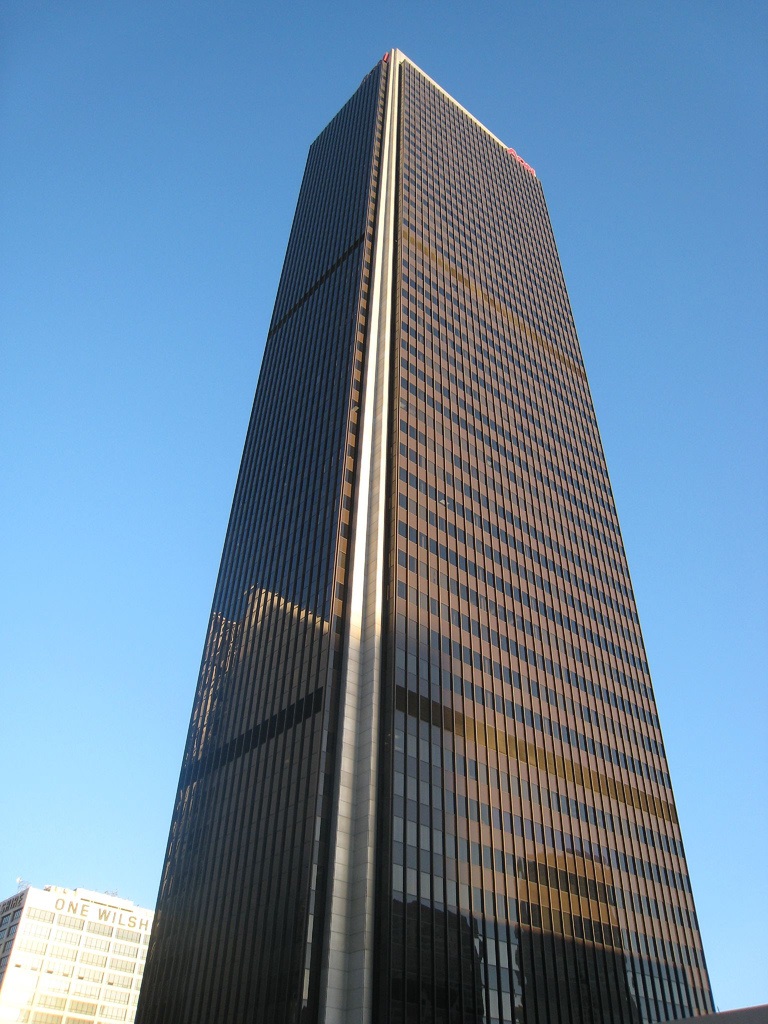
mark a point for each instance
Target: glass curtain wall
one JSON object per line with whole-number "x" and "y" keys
{"x": 240, "y": 922}
{"x": 529, "y": 840}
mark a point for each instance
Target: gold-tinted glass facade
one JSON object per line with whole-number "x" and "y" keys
{"x": 527, "y": 862}
{"x": 533, "y": 850}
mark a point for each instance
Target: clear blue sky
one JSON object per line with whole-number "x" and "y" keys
{"x": 150, "y": 158}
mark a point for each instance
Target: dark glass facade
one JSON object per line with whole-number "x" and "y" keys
{"x": 424, "y": 778}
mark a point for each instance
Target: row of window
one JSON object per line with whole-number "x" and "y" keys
{"x": 558, "y": 840}
{"x": 43, "y": 1017}
{"x": 434, "y": 327}
{"x": 43, "y": 948}
{"x": 577, "y": 681}
{"x": 509, "y": 353}
{"x": 497, "y": 582}
{"x": 496, "y": 295}
{"x": 506, "y": 513}
{"x": 467, "y": 538}
{"x": 508, "y": 708}
{"x": 592, "y": 568}
{"x": 445, "y": 347}
{"x": 488, "y": 258}
{"x": 456, "y": 385}
{"x": 462, "y": 653}
{"x": 474, "y": 415}
{"x": 98, "y": 928}
{"x": 539, "y": 691}
{"x": 460, "y": 487}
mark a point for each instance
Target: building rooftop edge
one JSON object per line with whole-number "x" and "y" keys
{"x": 89, "y": 895}
{"x": 398, "y": 57}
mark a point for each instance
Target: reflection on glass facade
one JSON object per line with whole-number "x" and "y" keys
{"x": 424, "y": 778}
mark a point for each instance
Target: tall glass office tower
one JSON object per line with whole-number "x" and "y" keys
{"x": 424, "y": 780}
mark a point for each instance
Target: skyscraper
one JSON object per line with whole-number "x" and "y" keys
{"x": 424, "y": 779}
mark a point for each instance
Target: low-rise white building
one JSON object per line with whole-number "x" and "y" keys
{"x": 71, "y": 955}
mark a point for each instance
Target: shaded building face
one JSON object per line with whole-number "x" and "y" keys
{"x": 424, "y": 779}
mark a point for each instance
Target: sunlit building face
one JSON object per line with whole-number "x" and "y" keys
{"x": 71, "y": 955}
